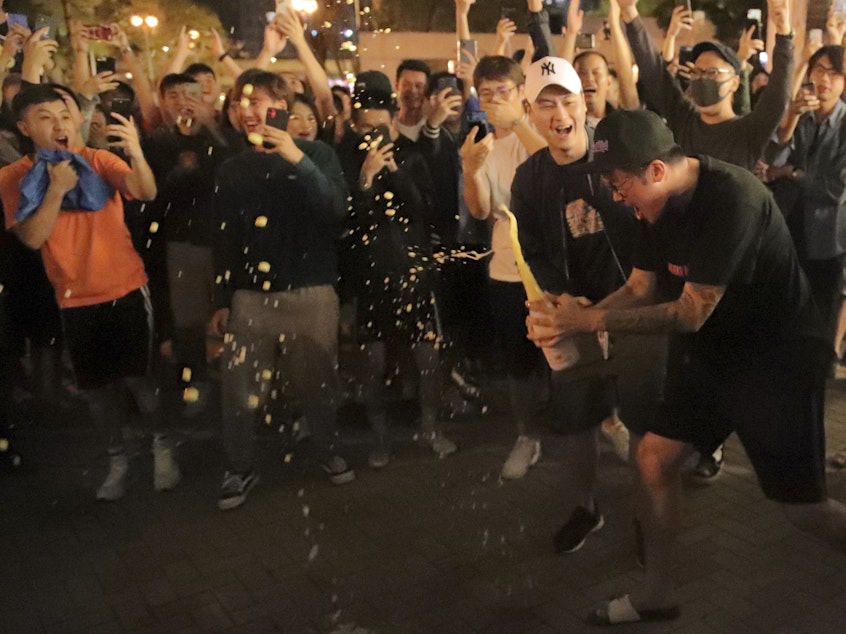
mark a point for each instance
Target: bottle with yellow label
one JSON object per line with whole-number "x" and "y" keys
{"x": 565, "y": 354}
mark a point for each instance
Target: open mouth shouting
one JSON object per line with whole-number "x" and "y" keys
{"x": 62, "y": 141}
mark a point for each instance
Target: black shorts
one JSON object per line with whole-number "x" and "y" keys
{"x": 110, "y": 341}
{"x": 517, "y": 353}
{"x": 775, "y": 401}
{"x": 629, "y": 381}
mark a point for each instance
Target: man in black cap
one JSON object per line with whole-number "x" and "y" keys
{"x": 715, "y": 267}
{"x": 709, "y": 124}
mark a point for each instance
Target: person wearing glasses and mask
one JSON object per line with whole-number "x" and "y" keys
{"x": 707, "y": 123}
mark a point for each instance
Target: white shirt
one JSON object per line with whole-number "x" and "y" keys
{"x": 499, "y": 169}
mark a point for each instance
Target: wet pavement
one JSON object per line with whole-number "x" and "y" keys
{"x": 425, "y": 545}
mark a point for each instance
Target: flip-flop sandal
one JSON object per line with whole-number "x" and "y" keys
{"x": 620, "y": 610}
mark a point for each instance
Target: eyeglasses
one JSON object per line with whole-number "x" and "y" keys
{"x": 488, "y": 94}
{"x": 709, "y": 73}
{"x": 820, "y": 71}
{"x": 618, "y": 187}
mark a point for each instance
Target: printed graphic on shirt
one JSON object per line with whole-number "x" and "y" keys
{"x": 677, "y": 269}
{"x": 583, "y": 219}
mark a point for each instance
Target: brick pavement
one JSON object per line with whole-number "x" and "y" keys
{"x": 423, "y": 546}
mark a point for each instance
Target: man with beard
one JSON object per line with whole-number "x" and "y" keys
{"x": 709, "y": 124}
{"x": 412, "y": 81}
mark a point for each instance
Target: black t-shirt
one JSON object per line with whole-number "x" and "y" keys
{"x": 574, "y": 237}
{"x": 730, "y": 233}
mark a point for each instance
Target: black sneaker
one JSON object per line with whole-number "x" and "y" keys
{"x": 709, "y": 467}
{"x": 572, "y": 535}
{"x": 235, "y": 488}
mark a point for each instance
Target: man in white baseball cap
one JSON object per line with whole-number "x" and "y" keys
{"x": 577, "y": 240}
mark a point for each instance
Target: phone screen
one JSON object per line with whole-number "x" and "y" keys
{"x": 277, "y": 118}
{"x": 467, "y": 48}
{"x": 448, "y": 82}
{"x": 17, "y": 18}
{"x": 122, "y": 107}
{"x": 685, "y": 55}
{"x": 479, "y": 119}
{"x": 753, "y": 14}
{"x": 45, "y": 20}
{"x": 104, "y": 64}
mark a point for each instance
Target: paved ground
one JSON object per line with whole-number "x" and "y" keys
{"x": 423, "y": 546}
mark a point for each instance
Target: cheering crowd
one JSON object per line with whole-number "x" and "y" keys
{"x": 681, "y": 218}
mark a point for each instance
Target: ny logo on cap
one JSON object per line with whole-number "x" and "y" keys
{"x": 547, "y": 68}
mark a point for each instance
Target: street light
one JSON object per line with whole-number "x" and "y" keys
{"x": 151, "y": 22}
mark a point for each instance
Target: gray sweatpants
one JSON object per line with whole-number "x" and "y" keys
{"x": 280, "y": 343}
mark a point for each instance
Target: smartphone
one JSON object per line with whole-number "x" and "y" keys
{"x": 277, "y": 118}
{"x": 466, "y": 48}
{"x": 381, "y": 131}
{"x": 104, "y": 64}
{"x": 17, "y": 18}
{"x": 815, "y": 36}
{"x": 509, "y": 13}
{"x": 194, "y": 91}
{"x": 585, "y": 41}
{"x": 45, "y": 20}
{"x": 448, "y": 82}
{"x": 686, "y": 4}
{"x": 121, "y": 106}
{"x": 102, "y": 32}
{"x": 479, "y": 119}
{"x": 809, "y": 87}
{"x": 685, "y": 55}
{"x": 753, "y": 18}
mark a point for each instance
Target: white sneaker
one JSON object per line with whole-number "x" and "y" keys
{"x": 380, "y": 455}
{"x": 439, "y": 443}
{"x": 114, "y": 486}
{"x": 526, "y": 452}
{"x": 616, "y": 433}
{"x": 166, "y": 474}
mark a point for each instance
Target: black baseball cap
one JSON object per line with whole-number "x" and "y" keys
{"x": 720, "y": 49}
{"x": 628, "y": 140}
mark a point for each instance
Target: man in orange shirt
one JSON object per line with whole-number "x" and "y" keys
{"x": 99, "y": 279}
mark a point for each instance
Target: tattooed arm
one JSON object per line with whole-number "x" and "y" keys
{"x": 567, "y": 316}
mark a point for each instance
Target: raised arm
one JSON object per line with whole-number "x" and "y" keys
{"x": 140, "y": 182}
{"x": 462, "y": 25}
{"x": 290, "y": 26}
{"x": 505, "y": 30}
{"x": 477, "y": 189}
{"x": 38, "y": 56}
{"x": 575, "y": 21}
{"x": 680, "y": 20}
{"x": 180, "y": 52}
{"x": 273, "y": 43}
{"x": 538, "y": 27}
{"x": 144, "y": 92}
{"x": 624, "y": 62}
{"x": 219, "y": 51}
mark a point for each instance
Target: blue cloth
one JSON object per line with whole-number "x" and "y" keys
{"x": 89, "y": 194}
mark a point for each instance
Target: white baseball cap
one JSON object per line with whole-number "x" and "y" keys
{"x": 551, "y": 71}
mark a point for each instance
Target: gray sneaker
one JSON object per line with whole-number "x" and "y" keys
{"x": 338, "y": 470}
{"x": 236, "y": 486}
{"x": 166, "y": 474}
{"x": 114, "y": 486}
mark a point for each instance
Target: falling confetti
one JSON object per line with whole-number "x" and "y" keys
{"x": 191, "y": 395}
{"x": 312, "y": 554}
{"x": 247, "y": 90}
{"x": 4, "y": 445}
{"x": 186, "y": 374}
{"x": 255, "y": 138}
{"x": 252, "y": 401}
{"x": 261, "y": 221}
{"x": 264, "y": 267}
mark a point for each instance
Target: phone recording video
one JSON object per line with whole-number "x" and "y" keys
{"x": 479, "y": 119}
